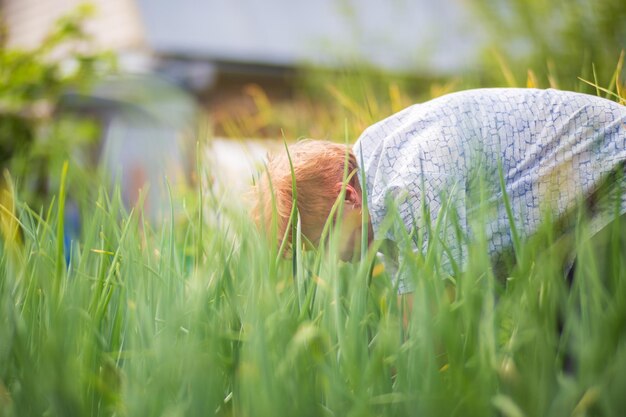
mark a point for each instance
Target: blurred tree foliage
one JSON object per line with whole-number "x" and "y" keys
{"x": 553, "y": 42}
{"x": 31, "y": 82}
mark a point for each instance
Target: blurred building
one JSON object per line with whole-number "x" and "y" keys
{"x": 202, "y": 42}
{"x": 214, "y": 47}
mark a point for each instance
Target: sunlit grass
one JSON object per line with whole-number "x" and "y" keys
{"x": 199, "y": 315}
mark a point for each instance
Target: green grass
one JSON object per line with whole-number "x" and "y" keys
{"x": 202, "y": 317}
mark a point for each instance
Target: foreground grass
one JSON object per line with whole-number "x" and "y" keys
{"x": 199, "y": 316}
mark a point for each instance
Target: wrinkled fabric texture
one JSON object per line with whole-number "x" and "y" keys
{"x": 548, "y": 148}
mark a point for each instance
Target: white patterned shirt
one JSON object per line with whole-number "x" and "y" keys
{"x": 549, "y": 147}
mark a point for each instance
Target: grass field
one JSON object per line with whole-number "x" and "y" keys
{"x": 199, "y": 316}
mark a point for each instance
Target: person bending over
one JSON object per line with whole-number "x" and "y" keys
{"x": 546, "y": 149}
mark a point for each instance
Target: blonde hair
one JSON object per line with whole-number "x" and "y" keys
{"x": 318, "y": 166}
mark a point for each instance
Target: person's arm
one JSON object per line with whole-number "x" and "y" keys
{"x": 389, "y": 250}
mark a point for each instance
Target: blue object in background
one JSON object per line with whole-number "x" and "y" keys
{"x": 148, "y": 143}
{"x": 71, "y": 229}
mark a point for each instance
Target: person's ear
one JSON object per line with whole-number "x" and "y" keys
{"x": 352, "y": 196}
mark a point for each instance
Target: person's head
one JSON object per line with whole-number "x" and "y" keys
{"x": 318, "y": 168}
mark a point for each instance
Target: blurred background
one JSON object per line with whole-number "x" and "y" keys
{"x": 140, "y": 93}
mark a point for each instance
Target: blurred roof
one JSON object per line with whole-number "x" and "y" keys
{"x": 401, "y": 34}
{"x": 415, "y": 35}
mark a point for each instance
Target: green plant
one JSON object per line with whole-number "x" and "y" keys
{"x": 32, "y": 134}
{"x": 551, "y": 43}
{"x": 204, "y": 317}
